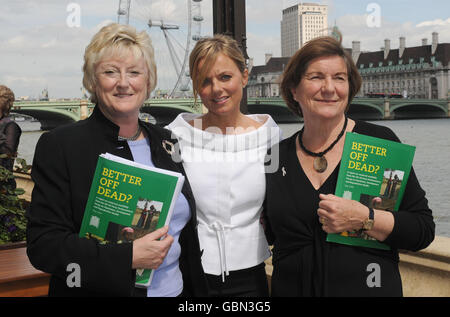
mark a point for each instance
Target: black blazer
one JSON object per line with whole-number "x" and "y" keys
{"x": 9, "y": 141}
{"x": 63, "y": 167}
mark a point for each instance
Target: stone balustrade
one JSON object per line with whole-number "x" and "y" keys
{"x": 425, "y": 273}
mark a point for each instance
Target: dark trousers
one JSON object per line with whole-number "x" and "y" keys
{"x": 251, "y": 282}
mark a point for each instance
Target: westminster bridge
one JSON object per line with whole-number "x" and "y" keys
{"x": 54, "y": 113}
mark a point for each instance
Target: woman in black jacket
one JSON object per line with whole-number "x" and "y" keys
{"x": 318, "y": 84}
{"x": 9, "y": 131}
{"x": 120, "y": 73}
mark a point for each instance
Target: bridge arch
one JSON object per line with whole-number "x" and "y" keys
{"x": 274, "y": 106}
{"x": 416, "y": 109}
{"x": 281, "y": 114}
{"x": 366, "y": 110}
{"x": 165, "y": 113}
{"x": 49, "y": 118}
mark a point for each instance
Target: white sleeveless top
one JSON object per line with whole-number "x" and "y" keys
{"x": 226, "y": 173}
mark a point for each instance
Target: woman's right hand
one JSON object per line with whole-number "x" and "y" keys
{"x": 149, "y": 252}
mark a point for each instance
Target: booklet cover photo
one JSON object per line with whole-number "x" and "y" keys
{"x": 374, "y": 172}
{"x": 128, "y": 200}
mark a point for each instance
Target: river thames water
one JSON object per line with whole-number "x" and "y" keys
{"x": 431, "y": 161}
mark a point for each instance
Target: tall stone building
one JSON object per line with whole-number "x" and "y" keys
{"x": 412, "y": 72}
{"x": 264, "y": 80}
{"x": 301, "y": 23}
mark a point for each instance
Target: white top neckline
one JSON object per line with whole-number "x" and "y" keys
{"x": 226, "y": 174}
{"x": 254, "y": 138}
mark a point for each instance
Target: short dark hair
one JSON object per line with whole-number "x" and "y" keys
{"x": 300, "y": 61}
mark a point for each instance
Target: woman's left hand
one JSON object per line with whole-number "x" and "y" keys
{"x": 338, "y": 214}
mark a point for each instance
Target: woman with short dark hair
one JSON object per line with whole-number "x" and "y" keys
{"x": 318, "y": 84}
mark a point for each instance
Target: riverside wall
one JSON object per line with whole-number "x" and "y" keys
{"x": 425, "y": 273}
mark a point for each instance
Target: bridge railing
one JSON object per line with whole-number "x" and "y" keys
{"x": 385, "y": 108}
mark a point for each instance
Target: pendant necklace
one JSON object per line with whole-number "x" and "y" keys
{"x": 320, "y": 162}
{"x": 133, "y": 137}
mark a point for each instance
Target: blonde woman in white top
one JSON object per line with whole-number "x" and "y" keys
{"x": 223, "y": 154}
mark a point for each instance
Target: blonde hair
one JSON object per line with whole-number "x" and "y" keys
{"x": 207, "y": 49}
{"x": 117, "y": 40}
{"x": 6, "y": 100}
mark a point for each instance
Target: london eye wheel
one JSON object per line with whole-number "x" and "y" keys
{"x": 174, "y": 27}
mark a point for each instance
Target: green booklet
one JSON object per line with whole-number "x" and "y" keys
{"x": 374, "y": 172}
{"x": 128, "y": 200}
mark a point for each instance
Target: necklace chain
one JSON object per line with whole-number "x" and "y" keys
{"x": 133, "y": 137}
{"x": 320, "y": 154}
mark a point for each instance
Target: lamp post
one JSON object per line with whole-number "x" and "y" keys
{"x": 229, "y": 19}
